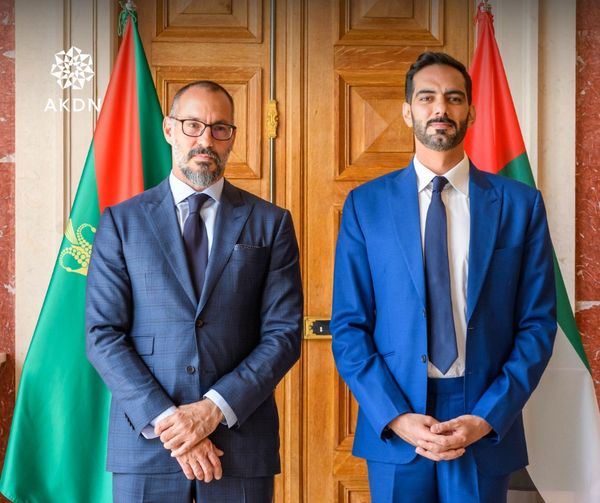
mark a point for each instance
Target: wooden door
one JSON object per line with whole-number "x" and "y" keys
{"x": 358, "y": 52}
{"x": 339, "y": 68}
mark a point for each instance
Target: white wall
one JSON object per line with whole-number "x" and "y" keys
{"x": 537, "y": 41}
{"x": 50, "y": 145}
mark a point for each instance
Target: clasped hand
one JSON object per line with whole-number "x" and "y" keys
{"x": 440, "y": 441}
{"x": 185, "y": 434}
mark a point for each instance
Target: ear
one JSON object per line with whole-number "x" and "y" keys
{"x": 471, "y": 116}
{"x": 407, "y": 114}
{"x": 168, "y": 130}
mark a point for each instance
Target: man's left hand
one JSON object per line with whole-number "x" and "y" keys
{"x": 462, "y": 430}
{"x": 190, "y": 424}
{"x": 202, "y": 462}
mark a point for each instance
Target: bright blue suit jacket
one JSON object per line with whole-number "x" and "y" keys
{"x": 155, "y": 345}
{"x": 379, "y": 321}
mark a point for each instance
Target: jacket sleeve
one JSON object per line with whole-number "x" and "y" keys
{"x": 254, "y": 379}
{"x": 108, "y": 321}
{"x": 352, "y": 326}
{"x": 534, "y": 326}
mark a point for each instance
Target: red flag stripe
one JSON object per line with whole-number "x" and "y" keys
{"x": 117, "y": 135}
{"x": 495, "y": 139}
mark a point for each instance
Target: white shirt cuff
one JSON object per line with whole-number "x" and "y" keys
{"x": 148, "y": 430}
{"x": 230, "y": 417}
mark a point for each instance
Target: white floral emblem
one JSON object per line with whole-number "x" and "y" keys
{"x": 72, "y": 68}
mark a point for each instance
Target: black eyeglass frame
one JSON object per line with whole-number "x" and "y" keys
{"x": 231, "y": 127}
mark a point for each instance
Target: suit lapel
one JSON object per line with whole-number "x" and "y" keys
{"x": 161, "y": 214}
{"x": 231, "y": 217}
{"x": 404, "y": 208}
{"x": 485, "y": 205}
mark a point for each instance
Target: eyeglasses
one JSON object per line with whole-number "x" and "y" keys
{"x": 195, "y": 128}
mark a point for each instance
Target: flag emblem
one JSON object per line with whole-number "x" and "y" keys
{"x": 79, "y": 254}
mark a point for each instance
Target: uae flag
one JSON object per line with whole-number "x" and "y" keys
{"x": 562, "y": 421}
{"x": 57, "y": 446}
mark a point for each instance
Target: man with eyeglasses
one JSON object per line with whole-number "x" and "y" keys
{"x": 194, "y": 311}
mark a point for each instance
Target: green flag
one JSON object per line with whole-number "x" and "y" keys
{"x": 562, "y": 422}
{"x": 57, "y": 446}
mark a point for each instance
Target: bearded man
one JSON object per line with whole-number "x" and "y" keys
{"x": 194, "y": 314}
{"x": 444, "y": 308}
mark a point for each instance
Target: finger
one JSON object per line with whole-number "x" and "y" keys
{"x": 174, "y": 436}
{"x": 168, "y": 434}
{"x": 187, "y": 470}
{"x": 442, "y": 456}
{"x": 207, "y": 468}
{"x": 174, "y": 442}
{"x": 446, "y": 442}
{"x": 451, "y": 454}
{"x": 429, "y": 421}
{"x": 446, "y": 426}
{"x": 182, "y": 449}
{"x": 198, "y": 471}
{"x": 216, "y": 463}
{"x": 163, "y": 425}
{"x": 441, "y": 440}
{"x": 432, "y": 447}
{"x": 427, "y": 454}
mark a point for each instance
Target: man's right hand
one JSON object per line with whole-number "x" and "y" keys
{"x": 202, "y": 462}
{"x": 416, "y": 430}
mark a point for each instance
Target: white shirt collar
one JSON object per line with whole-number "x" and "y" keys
{"x": 458, "y": 176}
{"x": 181, "y": 190}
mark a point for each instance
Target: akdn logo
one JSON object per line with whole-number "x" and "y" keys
{"x": 72, "y": 69}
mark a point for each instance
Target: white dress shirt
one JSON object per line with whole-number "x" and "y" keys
{"x": 181, "y": 191}
{"x": 455, "y": 197}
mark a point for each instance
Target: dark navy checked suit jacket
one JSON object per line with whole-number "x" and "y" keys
{"x": 155, "y": 345}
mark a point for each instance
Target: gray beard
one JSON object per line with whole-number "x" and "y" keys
{"x": 205, "y": 177}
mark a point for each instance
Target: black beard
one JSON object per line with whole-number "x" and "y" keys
{"x": 441, "y": 140}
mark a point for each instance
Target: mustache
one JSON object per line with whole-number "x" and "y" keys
{"x": 203, "y": 151}
{"x": 442, "y": 120}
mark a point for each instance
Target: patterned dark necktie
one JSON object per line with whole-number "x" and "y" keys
{"x": 442, "y": 337}
{"x": 196, "y": 241}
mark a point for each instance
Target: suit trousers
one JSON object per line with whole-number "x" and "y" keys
{"x": 426, "y": 481}
{"x": 175, "y": 488}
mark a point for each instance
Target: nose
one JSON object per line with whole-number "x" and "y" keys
{"x": 440, "y": 107}
{"x": 206, "y": 139}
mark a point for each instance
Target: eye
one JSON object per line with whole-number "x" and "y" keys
{"x": 193, "y": 125}
{"x": 220, "y": 128}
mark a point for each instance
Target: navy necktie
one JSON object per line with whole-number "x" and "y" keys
{"x": 442, "y": 337}
{"x": 196, "y": 241}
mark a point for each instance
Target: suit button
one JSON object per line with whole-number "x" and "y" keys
{"x": 199, "y": 323}
{"x": 424, "y": 313}
{"x": 190, "y": 370}
{"x": 424, "y": 358}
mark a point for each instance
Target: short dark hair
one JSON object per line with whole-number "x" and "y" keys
{"x": 203, "y": 84}
{"x": 435, "y": 58}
